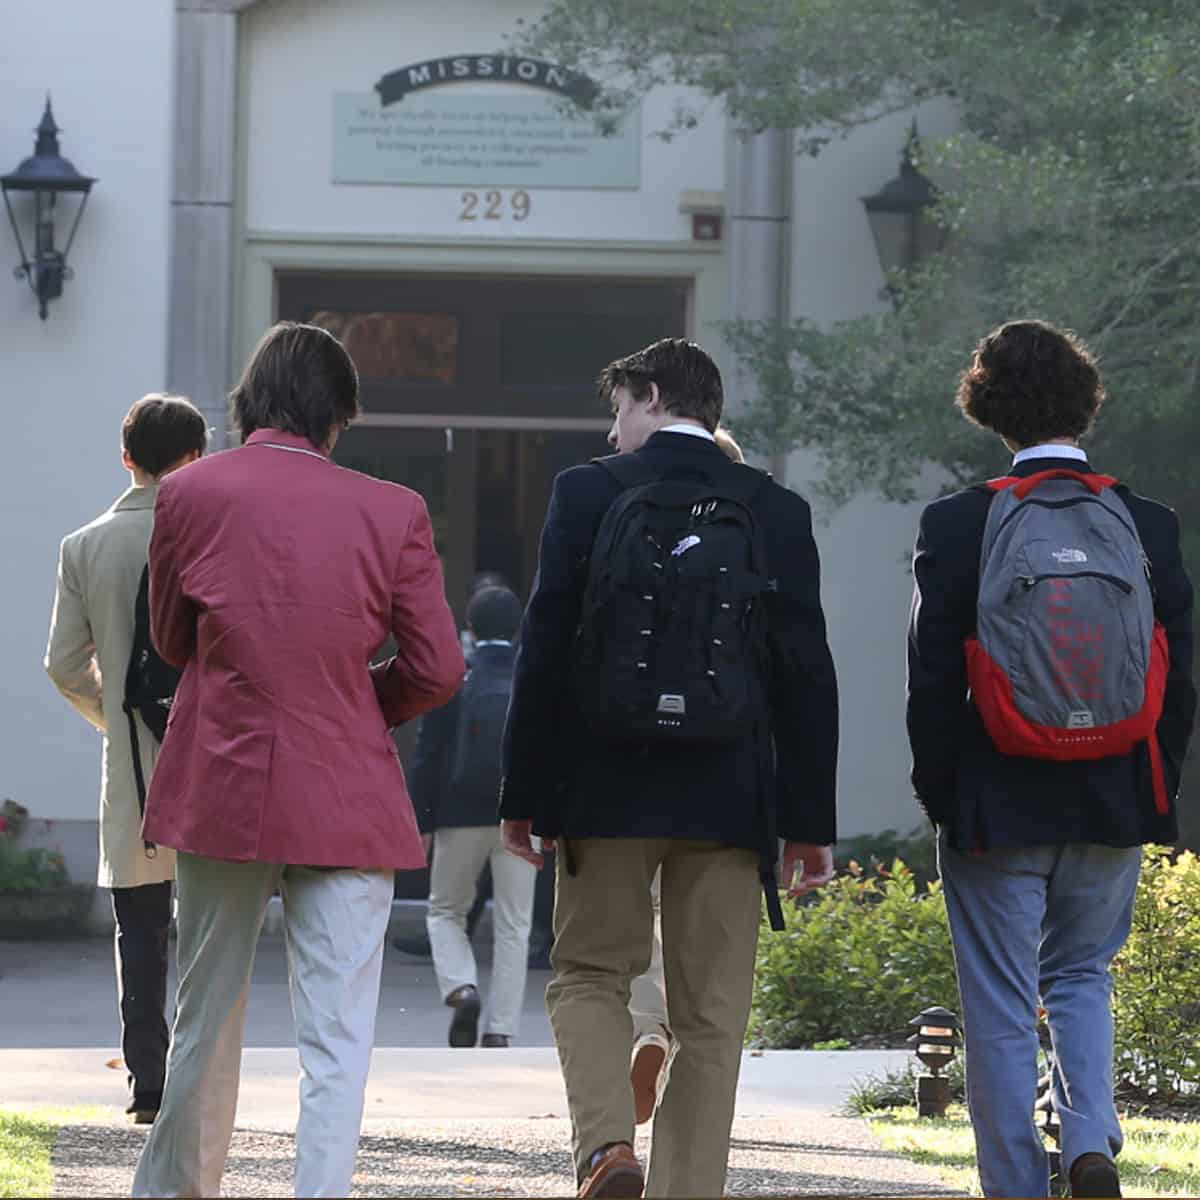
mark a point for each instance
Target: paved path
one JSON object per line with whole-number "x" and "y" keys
{"x": 813, "y": 1155}
{"x": 439, "y": 1122}
{"x": 64, "y": 994}
{"x": 479, "y": 1122}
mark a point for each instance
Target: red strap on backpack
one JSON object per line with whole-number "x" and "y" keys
{"x": 1022, "y": 486}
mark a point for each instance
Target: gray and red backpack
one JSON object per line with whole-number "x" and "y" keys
{"x": 1067, "y": 661}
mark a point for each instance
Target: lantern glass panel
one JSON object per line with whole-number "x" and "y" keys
{"x": 930, "y": 238}
{"x": 893, "y": 233}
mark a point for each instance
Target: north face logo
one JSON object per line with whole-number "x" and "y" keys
{"x": 1069, "y": 555}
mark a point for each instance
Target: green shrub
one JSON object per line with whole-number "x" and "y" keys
{"x": 863, "y": 956}
{"x": 1157, "y": 984}
{"x": 859, "y": 959}
{"x": 916, "y": 850}
{"x": 25, "y": 870}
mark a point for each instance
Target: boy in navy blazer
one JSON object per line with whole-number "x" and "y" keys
{"x": 621, "y": 811}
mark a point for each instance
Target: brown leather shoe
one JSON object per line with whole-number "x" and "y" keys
{"x": 616, "y": 1174}
{"x": 1095, "y": 1175}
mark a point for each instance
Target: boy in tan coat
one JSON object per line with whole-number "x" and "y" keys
{"x": 91, "y": 636}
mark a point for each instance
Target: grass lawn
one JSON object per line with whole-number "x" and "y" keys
{"x": 1160, "y": 1158}
{"x": 27, "y": 1138}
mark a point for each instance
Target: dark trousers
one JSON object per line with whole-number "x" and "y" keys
{"x": 143, "y": 916}
{"x": 543, "y": 905}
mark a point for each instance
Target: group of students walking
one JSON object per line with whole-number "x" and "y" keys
{"x": 663, "y": 715}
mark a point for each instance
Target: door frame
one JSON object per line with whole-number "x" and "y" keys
{"x": 467, "y": 421}
{"x": 701, "y": 265}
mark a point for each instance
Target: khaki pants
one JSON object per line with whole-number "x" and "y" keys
{"x": 335, "y": 923}
{"x": 603, "y": 925}
{"x": 459, "y": 855}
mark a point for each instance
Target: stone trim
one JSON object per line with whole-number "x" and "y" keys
{"x": 204, "y": 173}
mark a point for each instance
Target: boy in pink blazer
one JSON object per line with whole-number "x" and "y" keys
{"x": 275, "y": 576}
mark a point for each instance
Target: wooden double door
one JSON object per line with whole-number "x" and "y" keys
{"x": 477, "y": 391}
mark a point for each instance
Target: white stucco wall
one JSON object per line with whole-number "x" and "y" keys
{"x": 67, "y": 381}
{"x": 298, "y": 53}
{"x": 865, "y": 546}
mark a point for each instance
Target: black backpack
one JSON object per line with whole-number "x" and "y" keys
{"x": 150, "y": 685}
{"x": 475, "y": 768}
{"x": 671, "y": 644}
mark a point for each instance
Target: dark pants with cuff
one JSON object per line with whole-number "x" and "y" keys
{"x": 143, "y": 916}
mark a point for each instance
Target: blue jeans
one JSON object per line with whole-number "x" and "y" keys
{"x": 1038, "y": 921}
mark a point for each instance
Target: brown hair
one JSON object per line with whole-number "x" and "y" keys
{"x": 1030, "y": 382}
{"x": 688, "y": 380}
{"x": 300, "y": 380}
{"x": 159, "y": 430}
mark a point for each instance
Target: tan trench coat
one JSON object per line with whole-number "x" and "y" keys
{"x": 91, "y": 636}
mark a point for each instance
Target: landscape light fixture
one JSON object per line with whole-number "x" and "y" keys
{"x": 934, "y": 1043}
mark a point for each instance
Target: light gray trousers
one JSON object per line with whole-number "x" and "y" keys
{"x": 459, "y": 855}
{"x": 1039, "y": 921}
{"x": 335, "y": 922}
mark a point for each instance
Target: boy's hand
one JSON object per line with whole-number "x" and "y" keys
{"x": 805, "y": 868}
{"x": 517, "y": 838}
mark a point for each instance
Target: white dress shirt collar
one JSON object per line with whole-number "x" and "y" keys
{"x": 1049, "y": 450}
{"x": 691, "y": 430}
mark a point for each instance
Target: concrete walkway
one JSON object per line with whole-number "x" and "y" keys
{"x": 813, "y": 1156}
{"x": 480, "y": 1123}
{"x": 439, "y": 1122}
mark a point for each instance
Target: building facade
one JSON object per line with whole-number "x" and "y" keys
{"x": 386, "y": 169}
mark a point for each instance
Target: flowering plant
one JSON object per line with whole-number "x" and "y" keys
{"x": 24, "y": 870}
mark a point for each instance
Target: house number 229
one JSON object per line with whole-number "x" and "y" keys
{"x": 493, "y": 206}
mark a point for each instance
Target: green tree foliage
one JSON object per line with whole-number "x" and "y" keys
{"x": 1071, "y": 193}
{"x": 1074, "y": 196}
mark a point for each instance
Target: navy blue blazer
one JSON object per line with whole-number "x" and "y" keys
{"x": 987, "y": 799}
{"x": 435, "y": 802}
{"x": 572, "y": 784}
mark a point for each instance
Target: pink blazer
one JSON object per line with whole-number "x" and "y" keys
{"x": 275, "y": 576}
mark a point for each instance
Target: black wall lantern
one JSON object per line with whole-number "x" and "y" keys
{"x": 46, "y": 175}
{"x": 898, "y": 213}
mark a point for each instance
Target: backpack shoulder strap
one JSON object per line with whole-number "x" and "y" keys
{"x": 626, "y": 469}
{"x": 141, "y": 638}
{"x": 1000, "y": 484}
{"x": 1094, "y": 483}
{"x": 1023, "y": 485}
{"x": 738, "y": 480}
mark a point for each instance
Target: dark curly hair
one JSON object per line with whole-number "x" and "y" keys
{"x": 1030, "y": 382}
